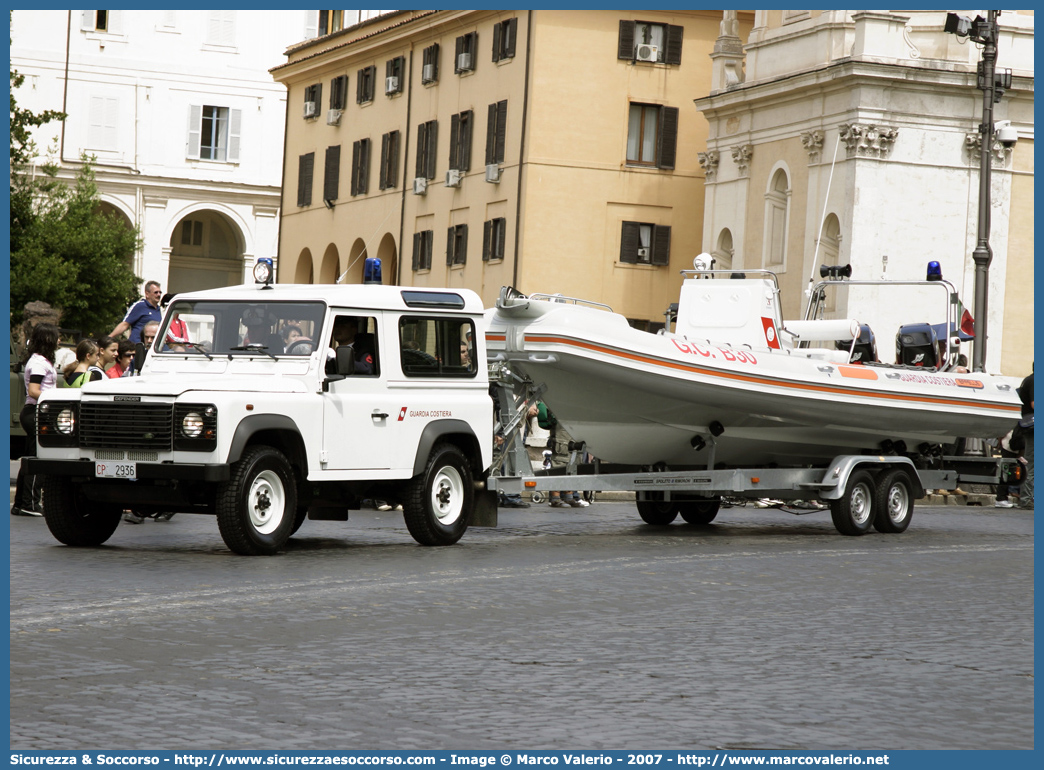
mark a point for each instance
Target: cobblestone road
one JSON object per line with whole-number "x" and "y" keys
{"x": 560, "y": 629}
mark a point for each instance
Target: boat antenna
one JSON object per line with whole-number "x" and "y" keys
{"x": 822, "y": 224}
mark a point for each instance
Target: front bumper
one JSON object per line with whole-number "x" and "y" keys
{"x": 147, "y": 472}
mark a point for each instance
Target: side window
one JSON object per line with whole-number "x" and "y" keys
{"x": 430, "y": 67}
{"x": 361, "y": 333}
{"x": 437, "y": 347}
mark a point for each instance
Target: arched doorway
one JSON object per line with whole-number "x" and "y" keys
{"x": 388, "y": 255}
{"x": 206, "y": 252}
{"x": 354, "y": 269}
{"x": 330, "y": 268}
{"x": 723, "y": 252}
{"x": 304, "y": 273}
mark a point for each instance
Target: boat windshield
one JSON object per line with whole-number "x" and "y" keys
{"x": 219, "y": 327}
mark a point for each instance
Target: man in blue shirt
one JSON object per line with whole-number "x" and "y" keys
{"x": 140, "y": 313}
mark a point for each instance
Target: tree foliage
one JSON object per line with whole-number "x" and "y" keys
{"x": 64, "y": 250}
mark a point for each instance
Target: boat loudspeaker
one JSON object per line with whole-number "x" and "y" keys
{"x": 698, "y": 443}
{"x": 835, "y": 272}
{"x": 716, "y": 428}
{"x": 899, "y": 447}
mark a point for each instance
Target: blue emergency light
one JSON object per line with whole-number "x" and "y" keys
{"x": 934, "y": 271}
{"x": 264, "y": 270}
{"x": 372, "y": 270}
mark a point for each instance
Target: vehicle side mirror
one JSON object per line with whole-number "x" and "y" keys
{"x": 139, "y": 356}
{"x": 340, "y": 366}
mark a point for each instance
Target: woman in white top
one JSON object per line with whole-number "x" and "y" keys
{"x": 40, "y": 375}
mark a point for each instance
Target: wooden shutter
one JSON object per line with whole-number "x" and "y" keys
{"x": 461, "y": 257}
{"x": 433, "y": 139}
{"x": 467, "y": 119}
{"x": 360, "y": 86}
{"x": 661, "y": 245}
{"x": 667, "y": 149}
{"x": 429, "y": 247}
{"x": 422, "y": 144}
{"x": 501, "y": 131}
{"x": 487, "y": 238}
{"x": 382, "y": 177}
{"x": 355, "y": 169}
{"x": 235, "y": 121}
{"x": 458, "y": 49}
{"x": 497, "y": 38}
{"x": 510, "y": 34}
{"x": 304, "y": 179}
{"x": 674, "y": 44}
{"x": 416, "y": 251}
{"x": 454, "y": 139}
{"x": 501, "y": 238}
{"x": 194, "y": 126}
{"x": 449, "y": 246}
{"x": 393, "y": 158}
{"x": 626, "y": 42}
{"x": 491, "y": 134}
{"x": 629, "y": 242}
{"x": 332, "y": 173}
{"x": 364, "y": 166}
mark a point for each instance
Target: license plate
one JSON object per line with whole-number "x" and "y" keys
{"x": 113, "y": 470}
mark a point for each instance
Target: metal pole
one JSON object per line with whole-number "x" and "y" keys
{"x": 983, "y": 255}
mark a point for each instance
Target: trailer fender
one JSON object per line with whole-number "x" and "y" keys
{"x": 835, "y": 481}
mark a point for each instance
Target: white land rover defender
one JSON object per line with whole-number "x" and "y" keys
{"x": 284, "y": 402}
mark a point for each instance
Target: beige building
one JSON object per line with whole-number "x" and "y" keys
{"x": 851, "y": 137}
{"x": 553, "y": 151}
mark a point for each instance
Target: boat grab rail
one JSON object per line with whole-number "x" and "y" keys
{"x": 733, "y": 274}
{"x": 573, "y": 300}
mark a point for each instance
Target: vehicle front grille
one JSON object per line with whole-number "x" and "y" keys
{"x": 126, "y": 426}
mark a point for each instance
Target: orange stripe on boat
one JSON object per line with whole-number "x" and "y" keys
{"x": 857, "y": 372}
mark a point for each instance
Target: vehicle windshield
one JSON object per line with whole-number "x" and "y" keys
{"x": 218, "y": 327}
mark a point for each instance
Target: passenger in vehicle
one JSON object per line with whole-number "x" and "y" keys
{"x": 346, "y": 332}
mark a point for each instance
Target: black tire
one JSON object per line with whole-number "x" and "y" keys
{"x": 700, "y": 511}
{"x": 438, "y": 501}
{"x": 72, "y": 518}
{"x": 299, "y": 519}
{"x": 853, "y": 513}
{"x": 257, "y": 506}
{"x": 894, "y": 501}
{"x": 658, "y": 513}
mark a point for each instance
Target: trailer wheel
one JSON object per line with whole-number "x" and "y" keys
{"x": 658, "y": 513}
{"x": 72, "y": 518}
{"x": 438, "y": 501}
{"x": 700, "y": 511}
{"x": 256, "y": 507}
{"x": 853, "y": 513}
{"x": 894, "y": 501}
{"x": 537, "y": 497}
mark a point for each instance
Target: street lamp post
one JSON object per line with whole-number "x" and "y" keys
{"x": 983, "y": 31}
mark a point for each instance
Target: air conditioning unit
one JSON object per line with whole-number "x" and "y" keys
{"x": 643, "y": 253}
{"x": 428, "y": 73}
{"x": 333, "y": 117}
{"x": 646, "y": 52}
{"x": 391, "y": 84}
{"x": 309, "y": 110}
{"x": 493, "y": 173}
{"x": 420, "y": 185}
{"x": 453, "y": 177}
{"x": 464, "y": 61}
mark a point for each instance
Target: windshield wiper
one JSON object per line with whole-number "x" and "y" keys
{"x": 198, "y": 348}
{"x": 253, "y": 347}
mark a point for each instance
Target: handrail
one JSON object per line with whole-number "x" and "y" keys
{"x": 729, "y": 273}
{"x": 574, "y": 300}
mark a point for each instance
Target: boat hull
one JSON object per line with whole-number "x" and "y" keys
{"x": 641, "y": 398}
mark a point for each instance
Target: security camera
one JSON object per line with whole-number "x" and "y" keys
{"x": 1007, "y": 134}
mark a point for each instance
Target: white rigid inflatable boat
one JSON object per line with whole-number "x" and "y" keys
{"x": 733, "y": 385}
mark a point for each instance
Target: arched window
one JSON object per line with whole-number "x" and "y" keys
{"x": 829, "y": 254}
{"x": 723, "y": 252}
{"x": 777, "y": 214}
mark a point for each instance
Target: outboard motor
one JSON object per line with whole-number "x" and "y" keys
{"x": 865, "y": 349}
{"x": 917, "y": 345}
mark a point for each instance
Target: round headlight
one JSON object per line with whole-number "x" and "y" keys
{"x": 65, "y": 422}
{"x": 192, "y": 425}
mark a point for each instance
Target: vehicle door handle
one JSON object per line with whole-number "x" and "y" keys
{"x": 378, "y": 415}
